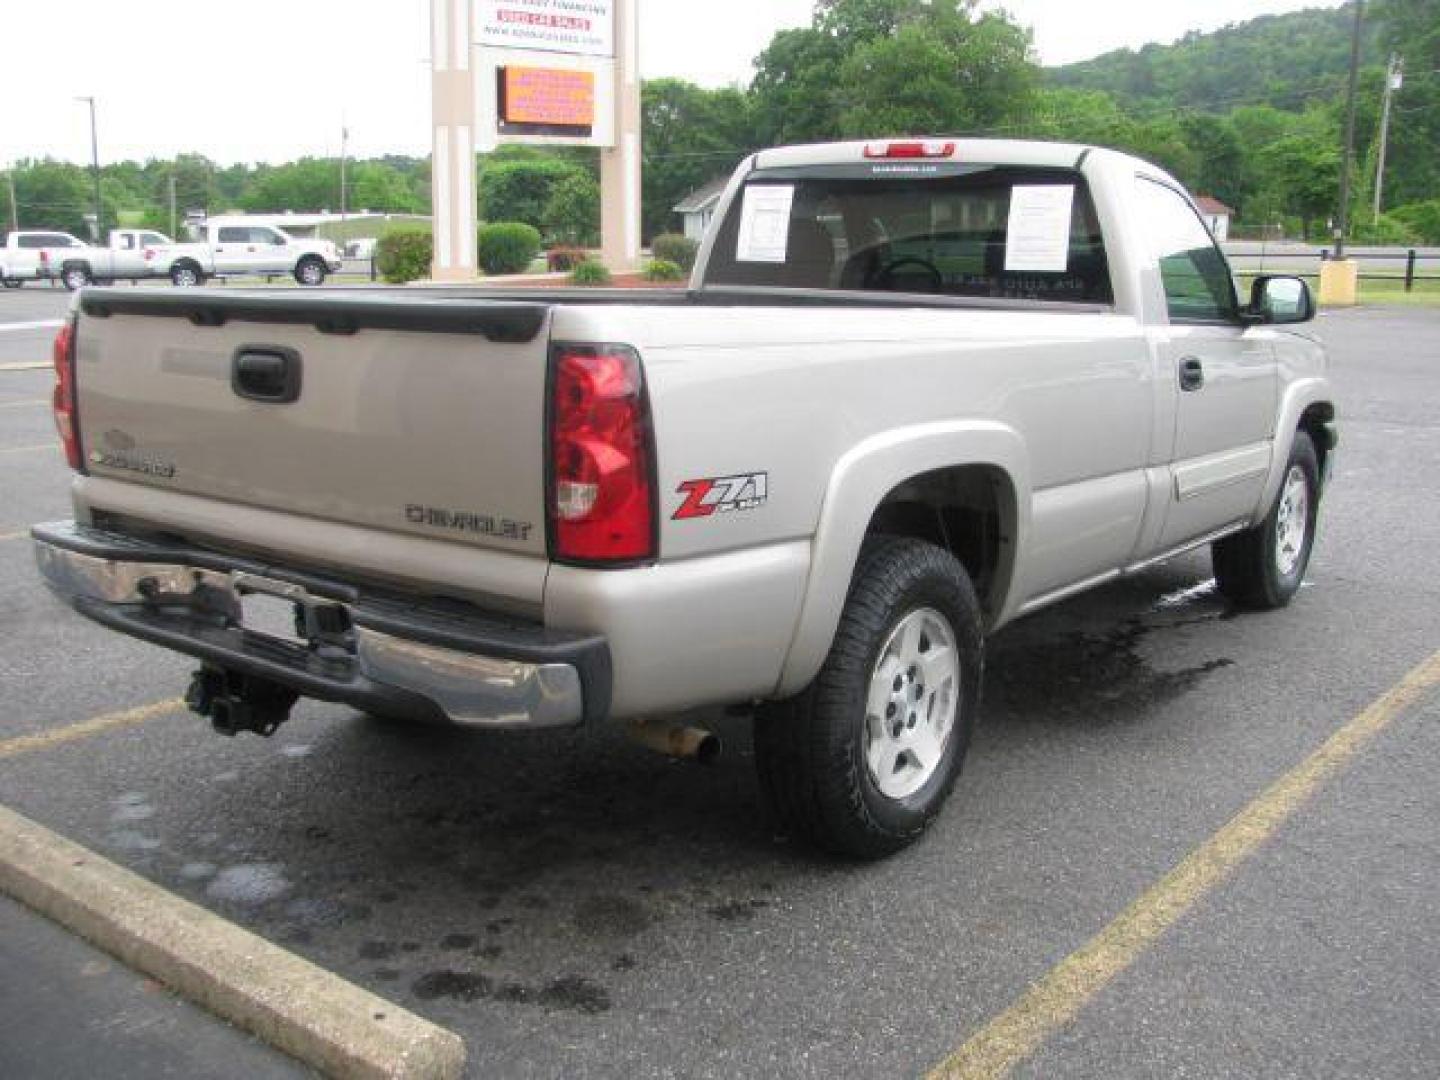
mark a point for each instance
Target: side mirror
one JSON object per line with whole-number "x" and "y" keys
{"x": 279, "y": 241}
{"x": 1278, "y": 299}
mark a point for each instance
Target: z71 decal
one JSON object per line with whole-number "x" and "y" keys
{"x": 722, "y": 495}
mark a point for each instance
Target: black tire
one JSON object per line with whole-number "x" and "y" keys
{"x": 1253, "y": 569}
{"x": 13, "y": 283}
{"x": 811, "y": 749}
{"x": 75, "y": 276}
{"x": 186, "y": 275}
{"x": 311, "y": 271}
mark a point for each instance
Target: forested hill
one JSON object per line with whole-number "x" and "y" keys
{"x": 1285, "y": 61}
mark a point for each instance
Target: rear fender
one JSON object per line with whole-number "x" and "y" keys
{"x": 859, "y": 484}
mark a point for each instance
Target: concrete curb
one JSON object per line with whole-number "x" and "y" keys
{"x": 290, "y": 1003}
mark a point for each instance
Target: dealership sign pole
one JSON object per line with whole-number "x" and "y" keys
{"x": 540, "y": 72}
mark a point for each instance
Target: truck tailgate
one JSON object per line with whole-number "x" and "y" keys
{"x": 405, "y": 414}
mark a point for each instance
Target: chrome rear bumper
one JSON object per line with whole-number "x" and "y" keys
{"x": 430, "y": 660}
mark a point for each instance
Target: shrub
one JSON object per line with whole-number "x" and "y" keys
{"x": 507, "y": 247}
{"x": 672, "y": 247}
{"x": 1421, "y": 218}
{"x": 561, "y": 260}
{"x": 521, "y": 190}
{"x": 404, "y": 254}
{"x": 572, "y": 215}
{"x": 590, "y": 272}
{"x": 664, "y": 270}
{"x": 1388, "y": 230}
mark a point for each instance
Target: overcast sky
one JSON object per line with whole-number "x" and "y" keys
{"x": 269, "y": 80}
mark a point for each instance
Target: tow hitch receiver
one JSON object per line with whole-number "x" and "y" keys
{"x": 235, "y": 702}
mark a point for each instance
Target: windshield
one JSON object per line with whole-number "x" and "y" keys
{"x": 962, "y": 231}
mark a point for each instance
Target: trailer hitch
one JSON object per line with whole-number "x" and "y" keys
{"x": 236, "y": 702}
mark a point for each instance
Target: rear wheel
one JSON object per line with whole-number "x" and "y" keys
{"x": 311, "y": 271}
{"x": 75, "y": 277}
{"x": 13, "y": 283}
{"x": 1263, "y": 567}
{"x": 863, "y": 759}
{"x": 186, "y": 275}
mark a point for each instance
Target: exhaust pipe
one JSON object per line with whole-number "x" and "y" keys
{"x": 677, "y": 740}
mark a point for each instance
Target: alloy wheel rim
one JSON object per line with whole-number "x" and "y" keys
{"x": 911, "y": 706}
{"x": 1292, "y": 521}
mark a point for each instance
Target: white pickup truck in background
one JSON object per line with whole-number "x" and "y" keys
{"x": 133, "y": 254}
{"x": 237, "y": 247}
{"x": 31, "y": 255}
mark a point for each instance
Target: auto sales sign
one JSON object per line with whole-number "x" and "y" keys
{"x": 579, "y": 27}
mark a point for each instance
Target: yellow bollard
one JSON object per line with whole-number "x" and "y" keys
{"x": 1339, "y": 283}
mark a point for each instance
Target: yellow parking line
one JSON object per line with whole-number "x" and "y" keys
{"x": 27, "y": 449}
{"x": 48, "y": 740}
{"x": 1057, "y": 999}
{"x": 24, "y": 402}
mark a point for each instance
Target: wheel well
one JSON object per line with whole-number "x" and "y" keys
{"x": 187, "y": 261}
{"x": 1313, "y": 422}
{"x": 968, "y": 510}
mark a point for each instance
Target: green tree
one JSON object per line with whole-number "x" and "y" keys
{"x": 53, "y": 195}
{"x": 690, "y": 136}
{"x": 572, "y": 216}
{"x": 520, "y": 190}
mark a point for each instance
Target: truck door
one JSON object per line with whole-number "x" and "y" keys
{"x": 1223, "y": 375}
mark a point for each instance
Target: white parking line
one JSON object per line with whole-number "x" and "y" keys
{"x": 39, "y": 324}
{"x": 33, "y": 365}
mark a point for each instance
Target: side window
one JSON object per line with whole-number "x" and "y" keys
{"x": 33, "y": 241}
{"x": 233, "y": 235}
{"x": 127, "y": 241}
{"x": 1198, "y": 286}
{"x": 264, "y": 236}
{"x": 152, "y": 239}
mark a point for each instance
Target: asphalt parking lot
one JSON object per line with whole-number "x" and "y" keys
{"x": 575, "y": 905}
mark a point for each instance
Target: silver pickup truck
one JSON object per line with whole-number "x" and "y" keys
{"x": 915, "y": 390}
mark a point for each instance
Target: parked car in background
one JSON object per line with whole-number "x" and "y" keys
{"x": 238, "y": 247}
{"x": 132, "y": 254}
{"x": 31, "y": 255}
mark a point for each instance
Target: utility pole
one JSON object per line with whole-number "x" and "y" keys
{"x": 1348, "y": 160}
{"x": 14, "y": 206}
{"x": 344, "y": 194}
{"x": 1394, "y": 80}
{"x": 174, "y": 219}
{"x": 95, "y": 168}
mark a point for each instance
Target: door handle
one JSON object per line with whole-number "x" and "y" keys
{"x": 269, "y": 373}
{"x": 1192, "y": 374}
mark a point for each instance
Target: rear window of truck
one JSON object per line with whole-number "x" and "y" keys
{"x": 957, "y": 231}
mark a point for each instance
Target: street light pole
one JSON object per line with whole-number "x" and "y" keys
{"x": 14, "y": 206}
{"x": 95, "y": 168}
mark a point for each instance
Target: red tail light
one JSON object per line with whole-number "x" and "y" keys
{"x": 602, "y": 497}
{"x": 67, "y": 420}
{"x": 910, "y": 150}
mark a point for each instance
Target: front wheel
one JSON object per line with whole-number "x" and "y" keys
{"x": 863, "y": 759}
{"x": 1263, "y": 567}
{"x": 310, "y": 272}
{"x": 13, "y": 283}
